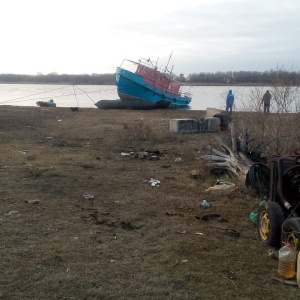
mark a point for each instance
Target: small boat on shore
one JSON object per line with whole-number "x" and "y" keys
{"x": 141, "y": 85}
{"x": 49, "y": 103}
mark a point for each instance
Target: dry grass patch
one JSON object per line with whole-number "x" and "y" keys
{"x": 133, "y": 241}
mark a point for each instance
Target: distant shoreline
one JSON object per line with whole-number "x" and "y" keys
{"x": 191, "y": 84}
{"x": 240, "y": 78}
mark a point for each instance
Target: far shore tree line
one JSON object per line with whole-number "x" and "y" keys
{"x": 203, "y": 78}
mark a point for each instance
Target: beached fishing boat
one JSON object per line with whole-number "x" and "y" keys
{"x": 49, "y": 103}
{"x": 141, "y": 85}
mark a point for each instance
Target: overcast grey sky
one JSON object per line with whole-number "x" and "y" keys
{"x": 93, "y": 36}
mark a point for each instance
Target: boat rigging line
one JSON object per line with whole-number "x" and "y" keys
{"x": 86, "y": 93}
{"x": 75, "y": 96}
{"x": 14, "y": 100}
{"x": 21, "y": 99}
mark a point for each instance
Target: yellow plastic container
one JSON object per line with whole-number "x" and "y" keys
{"x": 287, "y": 262}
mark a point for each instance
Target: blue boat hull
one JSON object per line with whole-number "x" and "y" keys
{"x": 133, "y": 89}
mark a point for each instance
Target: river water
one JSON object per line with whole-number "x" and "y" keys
{"x": 85, "y": 96}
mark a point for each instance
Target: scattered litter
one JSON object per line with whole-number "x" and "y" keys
{"x": 24, "y": 151}
{"x": 5, "y": 167}
{"x": 195, "y": 173}
{"x": 199, "y": 233}
{"x": 88, "y": 196}
{"x": 59, "y": 120}
{"x": 286, "y": 281}
{"x": 229, "y": 274}
{"x": 33, "y": 201}
{"x": 145, "y": 154}
{"x": 49, "y": 137}
{"x": 148, "y": 155}
{"x": 273, "y": 253}
{"x": 206, "y": 203}
{"x": 154, "y": 182}
{"x": 178, "y": 159}
{"x": 181, "y": 261}
{"x": 125, "y": 154}
{"x": 227, "y": 231}
{"x": 171, "y": 214}
{"x": 213, "y": 216}
{"x": 253, "y": 217}
{"x": 222, "y": 188}
{"x": 13, "y": 212}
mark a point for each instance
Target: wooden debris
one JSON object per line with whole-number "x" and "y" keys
{"x": 195, "y": 173}
{"x": 228, "y": 160}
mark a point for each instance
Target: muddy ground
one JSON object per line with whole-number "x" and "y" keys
{"x": 80, "y": 220}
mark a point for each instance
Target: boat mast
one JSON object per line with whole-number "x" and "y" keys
{"x": 171, "y": 72}
{"x": 156, "y": 64}
{"x": 168, "y": 62}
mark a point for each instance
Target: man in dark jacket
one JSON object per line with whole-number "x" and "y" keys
{"x": 266, "y": 100}
{"x": 229, "y": 102}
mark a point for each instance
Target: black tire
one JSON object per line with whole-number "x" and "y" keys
{"x": 291, "y": 232}
{"x": 269, "y": 223}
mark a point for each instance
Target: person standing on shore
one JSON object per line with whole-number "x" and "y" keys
{"x": 229, "y": 102}
{"x": 266, "y": 100}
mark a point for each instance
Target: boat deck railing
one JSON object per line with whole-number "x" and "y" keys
{"x": 130, "y": 65}
{"x": 165, "y": 80}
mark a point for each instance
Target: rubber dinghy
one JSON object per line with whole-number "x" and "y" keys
{"x": 49, "y": 103}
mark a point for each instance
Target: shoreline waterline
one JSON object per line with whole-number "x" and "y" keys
{"x": 87, "y": 95}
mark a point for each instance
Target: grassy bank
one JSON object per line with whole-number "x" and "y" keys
{"x": 132, "y": 240}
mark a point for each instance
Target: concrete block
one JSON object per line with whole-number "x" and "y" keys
{"x": 210, "y": 112}
{"x": 184, "y": 125}
{"x": 209, "y": 124}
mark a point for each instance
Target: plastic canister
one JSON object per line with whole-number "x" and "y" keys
{"x": 206, "y": 203}
{"x": 287, "y": 256}
{"x": 253, "y": 217}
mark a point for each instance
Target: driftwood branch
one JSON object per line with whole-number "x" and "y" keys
{"x": 215, "y": 158}
{"x": 233, "y": 137}
{"x": 218, "y": 152}
{"x": 227, "y": 160}
{"x": 230, "y": 165}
